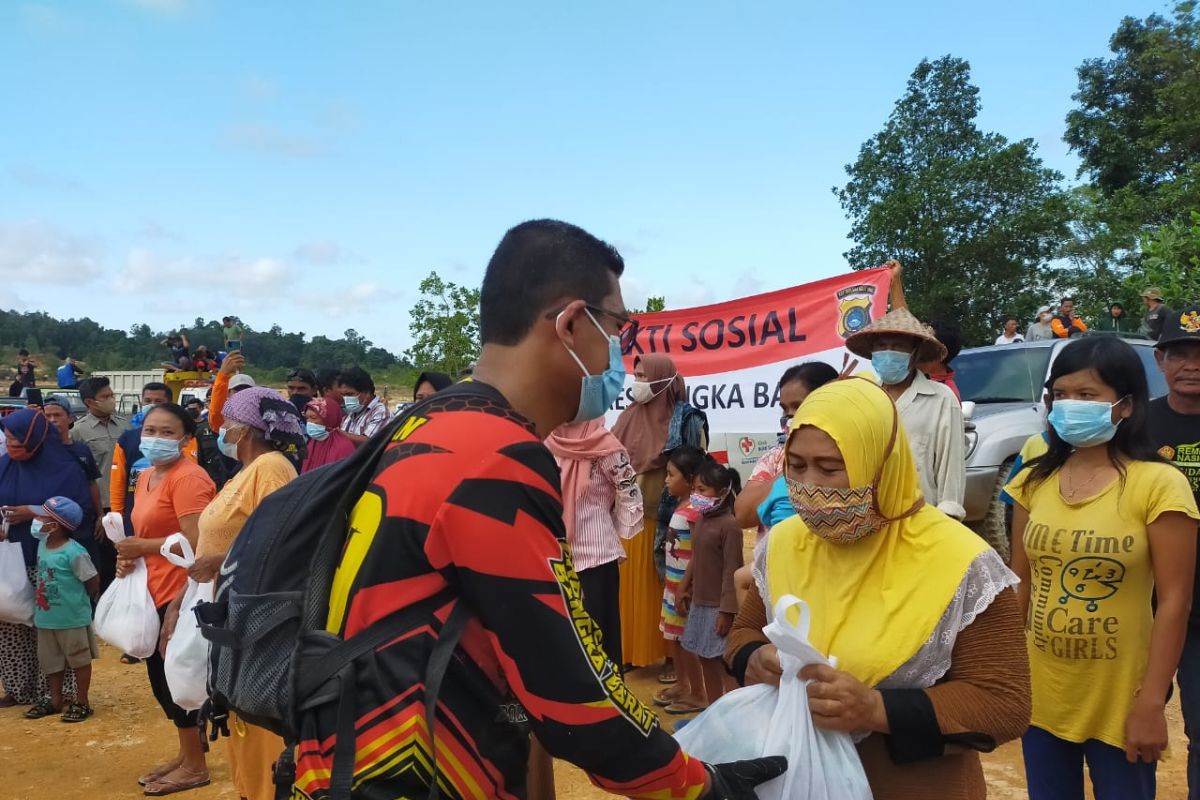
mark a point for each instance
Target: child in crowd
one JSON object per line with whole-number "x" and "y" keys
{"x": 687, "y": 695}
{"x": 67, "y": 582}
{"x": 707, "y": 595}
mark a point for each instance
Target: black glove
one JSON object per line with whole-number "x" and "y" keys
{"x": 736, "y": 780}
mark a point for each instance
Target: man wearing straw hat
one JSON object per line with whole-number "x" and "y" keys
{"x": 932, "y": 417}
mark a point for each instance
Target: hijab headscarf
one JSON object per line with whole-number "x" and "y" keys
{"x": 575, "y": 446}
{"x": 333, "y": 447}
{"x": 642, "y": 428}
{"x": 438, "y": 380}
{"x": 51, "y": 471}
{"x": 874, "y": 602}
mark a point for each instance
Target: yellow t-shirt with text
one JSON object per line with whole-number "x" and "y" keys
{"x": 1091, "y": 580}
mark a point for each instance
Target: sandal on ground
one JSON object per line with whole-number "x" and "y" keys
{"x": 683, "y": 707}
{"x": 8, "y": 701}
{"x": 77, "y": 712}
{"x": 665, "y": 697}
{"x": 42, "y": 708}
{"x": 128, "y": 659}
{"x": 668, "y": 678}
{"x": 157, "y": 772}
{"x": 186, "y": 781}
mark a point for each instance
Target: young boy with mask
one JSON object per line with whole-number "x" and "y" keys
{"x": 67, "y": 582}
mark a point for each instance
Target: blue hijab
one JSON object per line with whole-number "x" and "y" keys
{"x": 52, "y": 471}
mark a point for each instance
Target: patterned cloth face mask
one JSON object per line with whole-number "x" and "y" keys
{"x": 843, "y": 516}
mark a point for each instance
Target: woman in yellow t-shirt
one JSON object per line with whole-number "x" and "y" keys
{"x": 258, "y": 427}
{"x": 1106, "y": 525}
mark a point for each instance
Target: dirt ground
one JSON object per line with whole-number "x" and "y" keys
{"x": 102, "y": 757}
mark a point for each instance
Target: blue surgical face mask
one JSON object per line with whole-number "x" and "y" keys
{"x": 229, "y": 450}
{"x": 158, "y": 450}
{"x": 1083, "y": 423}
{"x": 37, "y": 529}
{"x": 599, "y": 392}
{"x": 352, "y": 404}
{"x": 316, "y": 431}
{"x": 892, "y": 366}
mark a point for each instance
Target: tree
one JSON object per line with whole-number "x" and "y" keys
{"x": 1171, "y": 262}
{"x": 1137, "y": 127}
{"x": 444, "y": 324}
{"x": 974, "y": 218}
{"x": 653, "y": 304}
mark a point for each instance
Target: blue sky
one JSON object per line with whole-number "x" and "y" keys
{"x": 308, "y": 163}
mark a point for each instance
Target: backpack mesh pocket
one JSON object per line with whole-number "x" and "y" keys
{"x": 254, "y": 675}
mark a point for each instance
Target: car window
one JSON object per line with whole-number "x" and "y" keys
{"x": 1002, "y": 375}
{"x": 1154, "y": 376}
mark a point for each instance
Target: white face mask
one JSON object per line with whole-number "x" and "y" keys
{"x": 644, "y": 391}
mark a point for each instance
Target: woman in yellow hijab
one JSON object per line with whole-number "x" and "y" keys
{"x": 916, "y": 608}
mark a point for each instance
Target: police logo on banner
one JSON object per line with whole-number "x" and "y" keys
{"x": 854, "y": 309}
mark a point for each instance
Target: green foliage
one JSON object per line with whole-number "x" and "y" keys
{"x": 1171, "y": 262}
{"x": 445, "y": 326}
{"x": 653, "y": 304}
{"x": 973, "y": 217}
{"x": 1137, "y": 127}
{"x": 100, "y": 348}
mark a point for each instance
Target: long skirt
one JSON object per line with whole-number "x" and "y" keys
{"x": 19, "y": 671}
{"x": 642, "y": 643}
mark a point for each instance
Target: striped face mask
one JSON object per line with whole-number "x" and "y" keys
{"x": 842, "y": 516}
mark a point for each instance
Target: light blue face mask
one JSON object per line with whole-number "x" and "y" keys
{"x": 316, "y": 431}
{"x": 598, "y": 392}
{"x": 36, "y": 528}
{"x": 352, "y": 404}
{"x": 892, "y": 366}
{"x": 1083, "y": 423}
{"x": 229, "y": 450}
{"x": 158, "y": 450}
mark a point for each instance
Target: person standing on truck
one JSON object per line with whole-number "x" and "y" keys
{"x": 1116, "y": 320}
{"x": 68, "y": 374}
{"x": 101, "y": 430}
{"x": 1040, "y": 330}
{"x": 26, "y": 370}
{"x": 232, "y": 333}
{"x": 897, "y": 343}
{"x": 1175, "y": 433}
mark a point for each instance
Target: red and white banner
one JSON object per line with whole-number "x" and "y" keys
{"x": 732, "y": 354}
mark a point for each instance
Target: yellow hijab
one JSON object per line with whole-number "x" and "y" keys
{"x": 876, "y": 601}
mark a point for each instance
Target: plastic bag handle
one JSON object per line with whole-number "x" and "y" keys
{"x": 803, "y": 623}
{"x": 114, "y": 526}
{"x": 185, "y": 547}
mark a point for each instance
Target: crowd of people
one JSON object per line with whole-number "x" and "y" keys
{"x": 582, "y": 552}
{"x": 1066, "y": 323}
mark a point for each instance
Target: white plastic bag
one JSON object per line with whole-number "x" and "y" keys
{"x": 16, "y": 592}
{"x": 186, "y": 659}
{"x": 763, "y": 721}
{"x": 125, "y": 616}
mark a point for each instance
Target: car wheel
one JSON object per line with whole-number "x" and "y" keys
{"x": 993, "y": 528}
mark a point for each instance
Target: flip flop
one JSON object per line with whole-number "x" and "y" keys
{"x": 683, "y": 707}
{"x": 8, "y": 702}
{"x": 157, "y": 772}
{"x": 128, "y": 659}
{"x": 163, "y": 787}
{"x": 669, "y": 678}
{"x": 665, "y": 697}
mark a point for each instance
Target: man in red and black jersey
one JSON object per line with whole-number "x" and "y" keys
{"x": 466, "y": 508}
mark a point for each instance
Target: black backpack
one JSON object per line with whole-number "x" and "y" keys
{"x": 210, "y": 455}
{"x": 272, "y": 661}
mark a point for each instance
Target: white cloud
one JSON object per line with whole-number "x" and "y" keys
{"x": 357, "y": 299}
{"x": 149, "y": 272}
{"x": 325, "y": 253}
{"x": 259, "y": 89}
{"x": 34, "y": 178}
{"x": 46, "y": 17}
{"x": 10, "y": 300}
{"x": 151, "y": 229}
{"x": 271, "y": 140}
{"x": 171, "y": 7}
{"x": 38, "y": 252}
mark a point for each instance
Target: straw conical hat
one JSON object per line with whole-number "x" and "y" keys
{"x": 899, "y": 321}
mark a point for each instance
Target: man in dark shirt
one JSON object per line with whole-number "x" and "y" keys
{"x": 466, "y": 508}
{"x": 1156, "y": 313}
{"x": 26, "y": 369}
{"x": 1175, "y": 429}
